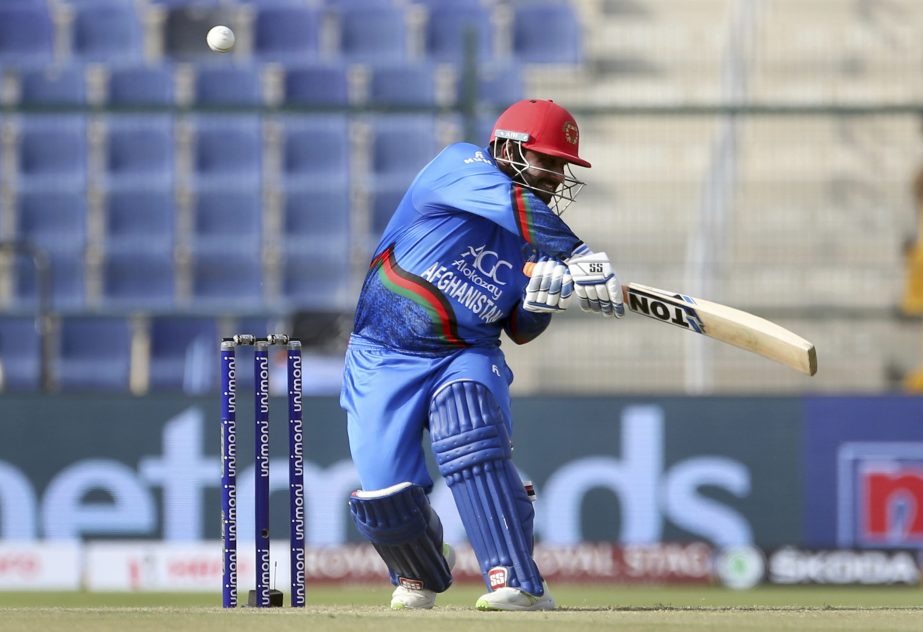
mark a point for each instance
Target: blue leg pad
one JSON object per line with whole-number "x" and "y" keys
{"x": 406, "y": 532}
{"x": 472, "y": 447}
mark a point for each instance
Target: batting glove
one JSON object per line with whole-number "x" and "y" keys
{"x": 596, "y": 286}
{"x": 550, "y": 288}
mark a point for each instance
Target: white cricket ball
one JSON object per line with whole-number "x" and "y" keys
{"x": 220, "y": 39}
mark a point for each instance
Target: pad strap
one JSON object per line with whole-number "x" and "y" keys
{"x": 472, "y": 447}
{"x": 406, "y": 532}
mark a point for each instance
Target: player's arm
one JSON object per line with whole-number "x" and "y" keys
{"x": 524, "y": 326}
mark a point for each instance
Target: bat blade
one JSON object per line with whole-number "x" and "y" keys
{"x": 727, "y": 324}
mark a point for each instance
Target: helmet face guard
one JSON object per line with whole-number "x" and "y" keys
{"x": 543, "y": 127}
{"x": 560, "y": 198}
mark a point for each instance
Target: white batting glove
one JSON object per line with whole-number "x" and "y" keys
{"x": 550, "y": 288}
{"x": 596, "y": 286}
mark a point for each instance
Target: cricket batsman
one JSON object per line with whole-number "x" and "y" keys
{"x": 475, "y": 247}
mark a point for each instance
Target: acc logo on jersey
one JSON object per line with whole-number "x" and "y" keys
{"x": 487, "y": 262}
{"x": 571, "y": 133}
{"x": 497, "y": 577}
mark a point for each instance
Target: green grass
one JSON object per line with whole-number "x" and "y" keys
{"x": 591, "y": 608}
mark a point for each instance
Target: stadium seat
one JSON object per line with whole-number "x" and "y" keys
{"x": 228, "y": 85}
{"x": 26, "y": 34}
{"x": 317, "y": 221}
{"x": 402, "y": 145}
{"x": 53, "y": 86}
{"x": 182, "y": 354}
{"x": 412, "y": 84}
{"x": 447, "y": 29}
{"x": 372, "y": 33}
{"x": 141, "y": 85}
{"x": 20, "y": 354}
{"x": 315, "y": 149}
{"x": 228, "y": 151}
{"x": 68, "y": 284}
{"x": 185, "y": 3}
{"x": 497, "y": 85}
{"x": 286, "y": 33}
{"x": 94, "y": 354}
{"x": 138, "y": 280}
{"x": 139, "y": 151}
{"x": 321, "y": 84}
{"x": 56, "y": 222}
{"x": 139, "y": 220}
{"x": 52, "y": 152}
{"x": 53, "y": 220}
{"x": 227, "y": 280}
{"x": 106, "y": 30}
{"x": 547, "y": 32}
{"x": 315, "y": 282}
{"x": 227, "y": 220}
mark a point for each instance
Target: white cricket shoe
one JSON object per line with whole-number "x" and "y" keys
{"x": 422, "y": 599}
{"x": 406, "y": 598}
{"x": 508, "y": 598}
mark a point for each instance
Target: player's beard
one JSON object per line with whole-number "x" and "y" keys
{"x": 541, "y": 189}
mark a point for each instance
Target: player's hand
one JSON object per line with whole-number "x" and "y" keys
{"x": 595, "y": 284}
{"x": 550, "y": 286}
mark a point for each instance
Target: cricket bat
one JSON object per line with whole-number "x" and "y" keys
{"x": 723, "y": 323}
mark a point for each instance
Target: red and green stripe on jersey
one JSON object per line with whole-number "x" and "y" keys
{"x": 522, "y": 212}
{"x": 421, "y": 292}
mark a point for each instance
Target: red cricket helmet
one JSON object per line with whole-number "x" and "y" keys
{"x": 542, "y": 126}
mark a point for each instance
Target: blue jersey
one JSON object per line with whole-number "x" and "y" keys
{"x": 447, "y": 273}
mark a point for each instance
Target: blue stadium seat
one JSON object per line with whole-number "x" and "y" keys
{"x": 52, "y": 152}
{"x": 372, "y": 33}
{"x": 228, "y": 151}
{"x": 56, "y": 222}
{"x": 139, "y": 220}
{"x": 139, "y": 151}
{"x": 138, "y": 280}
{"x": 315, "y": 149}
{"x": 317, "y": 238}
{"x": 182, "y": 354}
{"x": 106, "y": 30}
{"x": 411, "y": 84}
{"x": 500, "y": 85}
{"x": 315, "y": 282}
{"x": 227, "y": 219}
{"x": 547, "y": 32}
{"x": 68, "y": 287}
{"x": 141, "y": 85}
{"x": 53, "y": 86}
{"x": 227, "y": 280}
{"x": 20, "y": 354}
{"x": 317, "y": 84}
{"x": 26, "y": 34}
{"x": 317, "y": 221}
{"x": 186, "y": 3}
{"x": 94, "y": 354}
{"x": 228, "y": 85}
{"x": 286, "y": 33}
{"x": 402, "y": 145}
{"x": 447, "y": 29}
{"x": 53, "y": 220}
